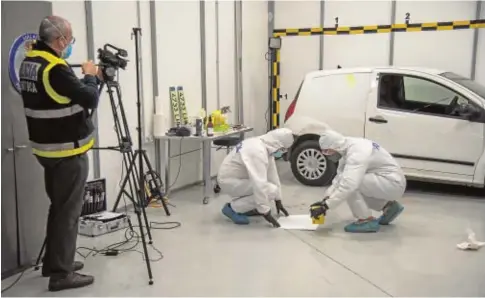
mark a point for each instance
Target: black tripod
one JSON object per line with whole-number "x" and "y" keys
{"x": 134, "y": 178}
{"x": 140, "y": 154}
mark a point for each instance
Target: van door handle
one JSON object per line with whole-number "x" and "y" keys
{"x": 378, "y": 119}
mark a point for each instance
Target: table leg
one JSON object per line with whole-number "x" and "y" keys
{"x": 206, "y": 170}
{"x": 166, "y": 159}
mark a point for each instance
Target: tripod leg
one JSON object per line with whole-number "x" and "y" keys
{"x": 166, "y": 157}
{"x": 123, "y": 185}
{"x": 140, "y": 193}
{"x": 150, "y": 169}
{"x": 147, "y": 224}
{"x": 145, "y": 250}
{"x": 40, "y": 254}
{"x": 206, "y": 170}
{"x": 142, "y": 205}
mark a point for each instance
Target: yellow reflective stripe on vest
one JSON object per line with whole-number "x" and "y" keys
{"x": 63, "y": 149}
{"x": 53, "y": 114}
{"x": 53, "y": 61}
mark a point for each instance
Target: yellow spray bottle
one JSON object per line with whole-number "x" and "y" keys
{"x": 317, "y": 214}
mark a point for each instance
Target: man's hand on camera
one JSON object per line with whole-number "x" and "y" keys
{"x": 89, "y": 68}
{"x": 100, "y": 74}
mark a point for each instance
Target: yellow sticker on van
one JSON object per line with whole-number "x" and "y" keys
{"x": 351, "y": 80}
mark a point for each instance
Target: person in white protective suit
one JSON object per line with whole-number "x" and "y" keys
{"x": 249, "y": 175}
{"x": 368, "y": 178}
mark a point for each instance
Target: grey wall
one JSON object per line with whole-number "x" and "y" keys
{"x": 24, "y": 202}
{"x": 9, "y": 206}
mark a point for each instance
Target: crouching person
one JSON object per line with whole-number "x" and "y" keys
{"x": 249, "y": 176}
{"x": 368, "y": 178}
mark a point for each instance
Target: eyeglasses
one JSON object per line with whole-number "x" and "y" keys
{"x": 73, "y": 40}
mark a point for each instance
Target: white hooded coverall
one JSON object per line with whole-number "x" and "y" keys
{"x": 249, "y": 175}
{"x": 367, "y": 176}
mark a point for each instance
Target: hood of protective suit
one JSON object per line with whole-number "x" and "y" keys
{"x": 331, "y": 139}
{"x": 277, "y": 139}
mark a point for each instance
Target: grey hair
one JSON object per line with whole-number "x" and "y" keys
{"x": 52, "y": 27}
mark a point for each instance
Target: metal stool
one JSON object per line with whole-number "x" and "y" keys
{"x": 228, "y": 143}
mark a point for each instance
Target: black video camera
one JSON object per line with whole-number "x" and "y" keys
{"x": 110, "y": 62}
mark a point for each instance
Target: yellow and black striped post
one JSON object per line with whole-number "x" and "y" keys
{"x": 354, "y": 30}
{"x": 275, "y": 108}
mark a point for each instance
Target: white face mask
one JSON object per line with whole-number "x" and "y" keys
{"x": 278, "y": 153}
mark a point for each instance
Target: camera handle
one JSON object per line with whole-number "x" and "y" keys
{"x": 78, "y": 65}
{"x": 121, "y": 52}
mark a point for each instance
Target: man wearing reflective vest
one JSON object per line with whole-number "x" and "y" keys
{"x": 60, "y": 130}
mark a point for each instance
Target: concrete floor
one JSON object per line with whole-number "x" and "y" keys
{"x": 210, "y": 256}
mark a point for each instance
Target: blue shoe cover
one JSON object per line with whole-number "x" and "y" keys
{"x": 370, "y": 226}
{"x": 392, "y": 212}
{"x": 237, "y": 218}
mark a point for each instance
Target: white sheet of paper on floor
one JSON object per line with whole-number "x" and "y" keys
{"x": 297, "y": 222}
{"x": 471, "y": 243}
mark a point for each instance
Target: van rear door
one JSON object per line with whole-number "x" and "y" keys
{"x": 337, "y": 99}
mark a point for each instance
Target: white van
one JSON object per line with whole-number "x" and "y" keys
{"x": 432, "y": 122}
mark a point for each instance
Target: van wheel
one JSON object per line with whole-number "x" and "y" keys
{"x": 310, "y": 166}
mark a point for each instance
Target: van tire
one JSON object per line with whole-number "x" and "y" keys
{"x": 330, "y": 170}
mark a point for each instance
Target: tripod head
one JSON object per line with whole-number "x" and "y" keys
{"x": 110, "y": 62}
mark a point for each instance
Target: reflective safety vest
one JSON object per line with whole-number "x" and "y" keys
{"x": 57, "y": 127}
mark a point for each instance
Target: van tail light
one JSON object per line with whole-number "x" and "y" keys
{"x": 291, "y": 110}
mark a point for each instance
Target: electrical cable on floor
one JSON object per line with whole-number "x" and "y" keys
{"x": 116, "y": 249}
{"x": 18, "y": 278}
{"x": 131, "y": 236}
